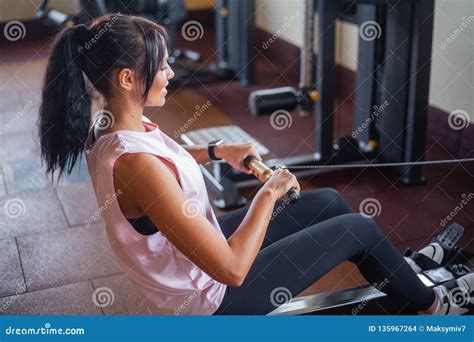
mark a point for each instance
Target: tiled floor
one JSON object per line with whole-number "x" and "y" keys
{"x": 52, "y": 260}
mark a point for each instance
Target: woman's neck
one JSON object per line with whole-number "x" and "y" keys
{"x": 126, "y": 116}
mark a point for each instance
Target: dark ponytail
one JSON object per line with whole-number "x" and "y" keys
{"x": 65, "y": 109}
{"x": 112, "y": 42}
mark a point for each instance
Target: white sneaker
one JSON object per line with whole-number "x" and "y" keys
{"x": 454, "y": 300}
{"x": 433, "y": 251}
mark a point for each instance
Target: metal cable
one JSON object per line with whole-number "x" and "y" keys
{"x": 354, "y": 166}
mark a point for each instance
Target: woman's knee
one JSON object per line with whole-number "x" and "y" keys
{"x": 364, "y": 228}
{"x": 331, "y": 197}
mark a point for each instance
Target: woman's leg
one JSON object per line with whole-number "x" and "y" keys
{"x": 295, "y": 262}
{"x": 313, "y": 207}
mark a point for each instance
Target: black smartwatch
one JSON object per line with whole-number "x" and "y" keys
{"x": 211, "y": 146}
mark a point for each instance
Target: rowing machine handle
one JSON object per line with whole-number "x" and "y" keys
{"x": 263, "y": 173}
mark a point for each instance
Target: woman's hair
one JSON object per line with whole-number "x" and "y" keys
{"x": 112, "y": 42}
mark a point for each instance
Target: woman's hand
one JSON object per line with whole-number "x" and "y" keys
{"x": 280, "y": 183}
{"x": 234, "y": 154}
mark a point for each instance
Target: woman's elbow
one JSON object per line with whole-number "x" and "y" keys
{"x": 232, "y": 277}
{"x": 236, "y": 281}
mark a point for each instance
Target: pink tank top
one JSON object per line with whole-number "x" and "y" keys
{"x": 172, "y": 284}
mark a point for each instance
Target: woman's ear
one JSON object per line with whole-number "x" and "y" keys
{"x": 126, "y": 79}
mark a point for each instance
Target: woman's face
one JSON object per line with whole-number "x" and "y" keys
{"x": 156, "y": 96}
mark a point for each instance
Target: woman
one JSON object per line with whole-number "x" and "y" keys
{"x": 159, "y": 221}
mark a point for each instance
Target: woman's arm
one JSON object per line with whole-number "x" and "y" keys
{"x": 156, "y": 191}
{"x": 199, "y": 152}
{"x": 233, "y": 154}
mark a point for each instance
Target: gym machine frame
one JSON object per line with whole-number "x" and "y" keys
{"x": 235, "y": 41}
{"x": 394, "y": 68}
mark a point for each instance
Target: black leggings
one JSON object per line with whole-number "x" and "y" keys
{"x": 306, "y": 240}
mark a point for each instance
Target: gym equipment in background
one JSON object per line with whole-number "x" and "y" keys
{"x": 391, "y": 97}
{"x": 370, "y": 300}
{"x": 267, "y": 101}
{"x": 235, "y": 34}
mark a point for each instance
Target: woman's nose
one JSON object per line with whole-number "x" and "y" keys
{"x": 170, "y": 74}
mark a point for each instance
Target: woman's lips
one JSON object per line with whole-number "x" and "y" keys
{"x": 164, "y": 91}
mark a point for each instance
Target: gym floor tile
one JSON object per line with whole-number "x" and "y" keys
{"x": 439, "y": 130}
{"x": 11, "y": 277}
{"x": 467, "y": 139}
{"x": 120, "y": 294}
{"x": 439, "y": 206}
{"x": 21, "y": 120}
{"x": 344, "y": 276}
{"x": 18, "y": 146}
{"x": 30, "y": 212}
{"x": 352, "y": 182}
{"x": 411, "y": 213}
{"x": 70, "y": 255}
{"x": 26, "y": 77}
{"x": 448, "y": 177}
{"x": 180, "y": 106}
{"x": 24, "y": 175}
{"x": 466, "y": 242}
{"x": 28, "y": 80}
{"x": 11, "y": 99}
{"x": 79, "y": 203}
{"x": 287, "y": 145}
{"x": 451, "y": 179}
{"x": 3, "y": 191}
{"x": 72, "y": 299}
{"x": 79, "y": 174}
